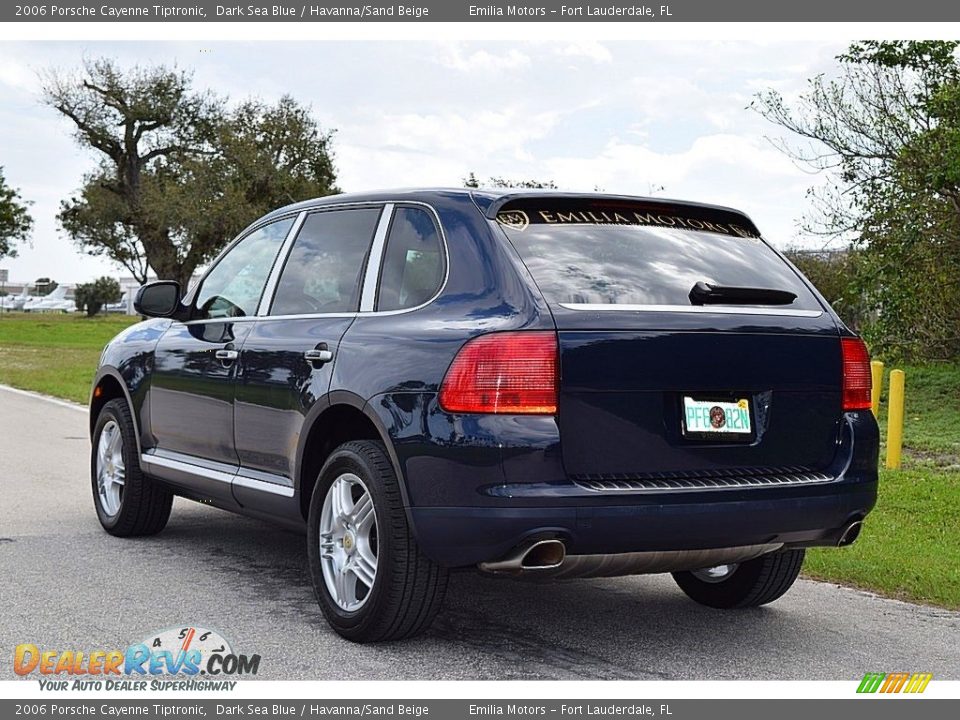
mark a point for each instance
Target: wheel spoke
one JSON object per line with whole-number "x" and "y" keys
{"x": 365, "y": 571}
{"x": 102, "y": 450}
{"x": 342, "y": 499}
{"x": 346, "y": 587}
{"x": 327, "y": 545}
{"x": 114, "y": 442}
{"x": 363, "y": 516}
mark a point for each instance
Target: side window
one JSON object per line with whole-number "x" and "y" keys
{"x": 234, "y": 286}
{"x": 324, "y": 269}
{"x": 413, "y": 262}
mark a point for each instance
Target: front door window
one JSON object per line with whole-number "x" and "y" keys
{"x": 234, "y": 286}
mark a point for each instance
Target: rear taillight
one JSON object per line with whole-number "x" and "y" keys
{"x": 856, "y": 374}
{"x": 509, "y": 372}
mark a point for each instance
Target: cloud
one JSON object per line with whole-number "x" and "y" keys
{"x": 478, "y": 135}
{"x": 455, "y": 57}
{"x": 16, "y": 75}
{"x": 722, "y": 168}
{"x": 587, "y": 49}
{"x": 624, "y": 116}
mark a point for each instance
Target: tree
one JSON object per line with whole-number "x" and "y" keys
{"x": 886, "y": 133}
{"x": 471, "y": 181}
{"x": 15, "y": 221}
{"x": 93, "y": 296}
{"x": 179, "y": 173}
{"x": 834, "y": 273}
{"x": 267, "y": 156}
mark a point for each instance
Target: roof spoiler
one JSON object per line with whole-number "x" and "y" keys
{"x": 526, "y": 208}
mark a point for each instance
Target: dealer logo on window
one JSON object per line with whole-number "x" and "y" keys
{"x": 516, "y": 219}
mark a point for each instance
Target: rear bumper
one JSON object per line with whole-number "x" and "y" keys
{"x": 468, "y": 535}
{"x": 478, "y": 486}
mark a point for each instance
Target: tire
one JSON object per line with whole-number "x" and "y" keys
{"x": 407, "y": 587}
{"x": 753, "y": 583}
{"x": 140, "y": 506}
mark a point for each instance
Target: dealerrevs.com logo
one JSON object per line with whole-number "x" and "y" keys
{"x": 185, "y": 658}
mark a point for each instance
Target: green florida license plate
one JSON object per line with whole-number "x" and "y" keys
{"x": 712, "y": 417}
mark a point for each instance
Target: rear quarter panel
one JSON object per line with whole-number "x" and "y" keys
{"x": 397, "y": 361}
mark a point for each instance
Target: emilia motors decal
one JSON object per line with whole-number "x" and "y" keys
{"x": 185, "y": 658}
{"x": 521, "y": 219}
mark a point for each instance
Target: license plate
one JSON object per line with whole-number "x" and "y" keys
{"x": 716, "y": 418}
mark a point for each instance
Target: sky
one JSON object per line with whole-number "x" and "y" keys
{"x": 668, "y": 118}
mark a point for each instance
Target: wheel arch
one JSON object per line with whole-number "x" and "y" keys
{"x": 110, "y": 385}
{"x": 341, "y": 417}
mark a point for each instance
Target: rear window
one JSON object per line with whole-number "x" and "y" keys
{"x": 585, "y": 252}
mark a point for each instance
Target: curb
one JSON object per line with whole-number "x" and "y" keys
{"x": 47, "y": 398}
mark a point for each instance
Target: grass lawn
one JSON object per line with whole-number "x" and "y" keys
{"x": 910, "y": 546}
{"x": 54, "y": 354}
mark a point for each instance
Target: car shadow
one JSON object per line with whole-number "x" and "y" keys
{"x": 640, "y": 627}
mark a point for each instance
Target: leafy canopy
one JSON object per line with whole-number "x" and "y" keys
{"x": 179, "y": 171}
{"x": 92, "y": 296}
{"x": 885, "y": 131}
{"x": 15, "y": 221}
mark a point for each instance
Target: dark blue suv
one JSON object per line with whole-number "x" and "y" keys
{"x": 543, "y": 384}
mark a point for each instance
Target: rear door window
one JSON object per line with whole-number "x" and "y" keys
{"x": 322, "y": 273}
{"x": 413, "y": 261}
{"x": 585, "y": 252}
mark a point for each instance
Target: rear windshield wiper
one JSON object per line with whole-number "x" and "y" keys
{"x": 706, "y": 294}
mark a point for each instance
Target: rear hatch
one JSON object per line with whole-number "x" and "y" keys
{"x": 660, "y": 377}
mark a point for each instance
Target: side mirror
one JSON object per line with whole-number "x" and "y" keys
{"x": 158, "y": 299}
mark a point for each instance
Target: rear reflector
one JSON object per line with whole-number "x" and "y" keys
{"x": 856, "y": 374}
{"x": 510, "y": 373}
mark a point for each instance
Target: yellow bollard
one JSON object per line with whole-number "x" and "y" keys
{"x": 876, "y": 373}
{"x": 895, "y": 419}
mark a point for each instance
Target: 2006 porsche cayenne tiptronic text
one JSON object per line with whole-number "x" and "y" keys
{"x": 543, "y": 384}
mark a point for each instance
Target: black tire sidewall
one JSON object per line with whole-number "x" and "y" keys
{"x": 728, "y": 593}
{"x": 755, "y": 582}
{"x": 348, "y": 460}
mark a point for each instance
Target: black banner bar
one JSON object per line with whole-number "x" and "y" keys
{"x": 460, "y": 11}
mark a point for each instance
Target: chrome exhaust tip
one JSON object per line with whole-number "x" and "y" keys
{"x": 532, "y": 556}
{"x": 850, "y": 533}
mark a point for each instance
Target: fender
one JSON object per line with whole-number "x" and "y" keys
{"x": 319, "y": 406}
{"x": 112, "y": 372}
{"x": 339, "y": 398}
{"x": 392, "y": 454}
{"x": 128, "y": 359}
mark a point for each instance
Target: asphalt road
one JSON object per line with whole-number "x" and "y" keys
{"x": 66, "y": 584}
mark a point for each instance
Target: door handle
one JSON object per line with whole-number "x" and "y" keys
{"x": 227, "y": 356}
{"x": 319, "y": 355}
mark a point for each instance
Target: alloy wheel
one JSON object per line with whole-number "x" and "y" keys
{"x": 111, "y": 473}
{"x": 348, "y": 542}
{"x": 715, "y": 574}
